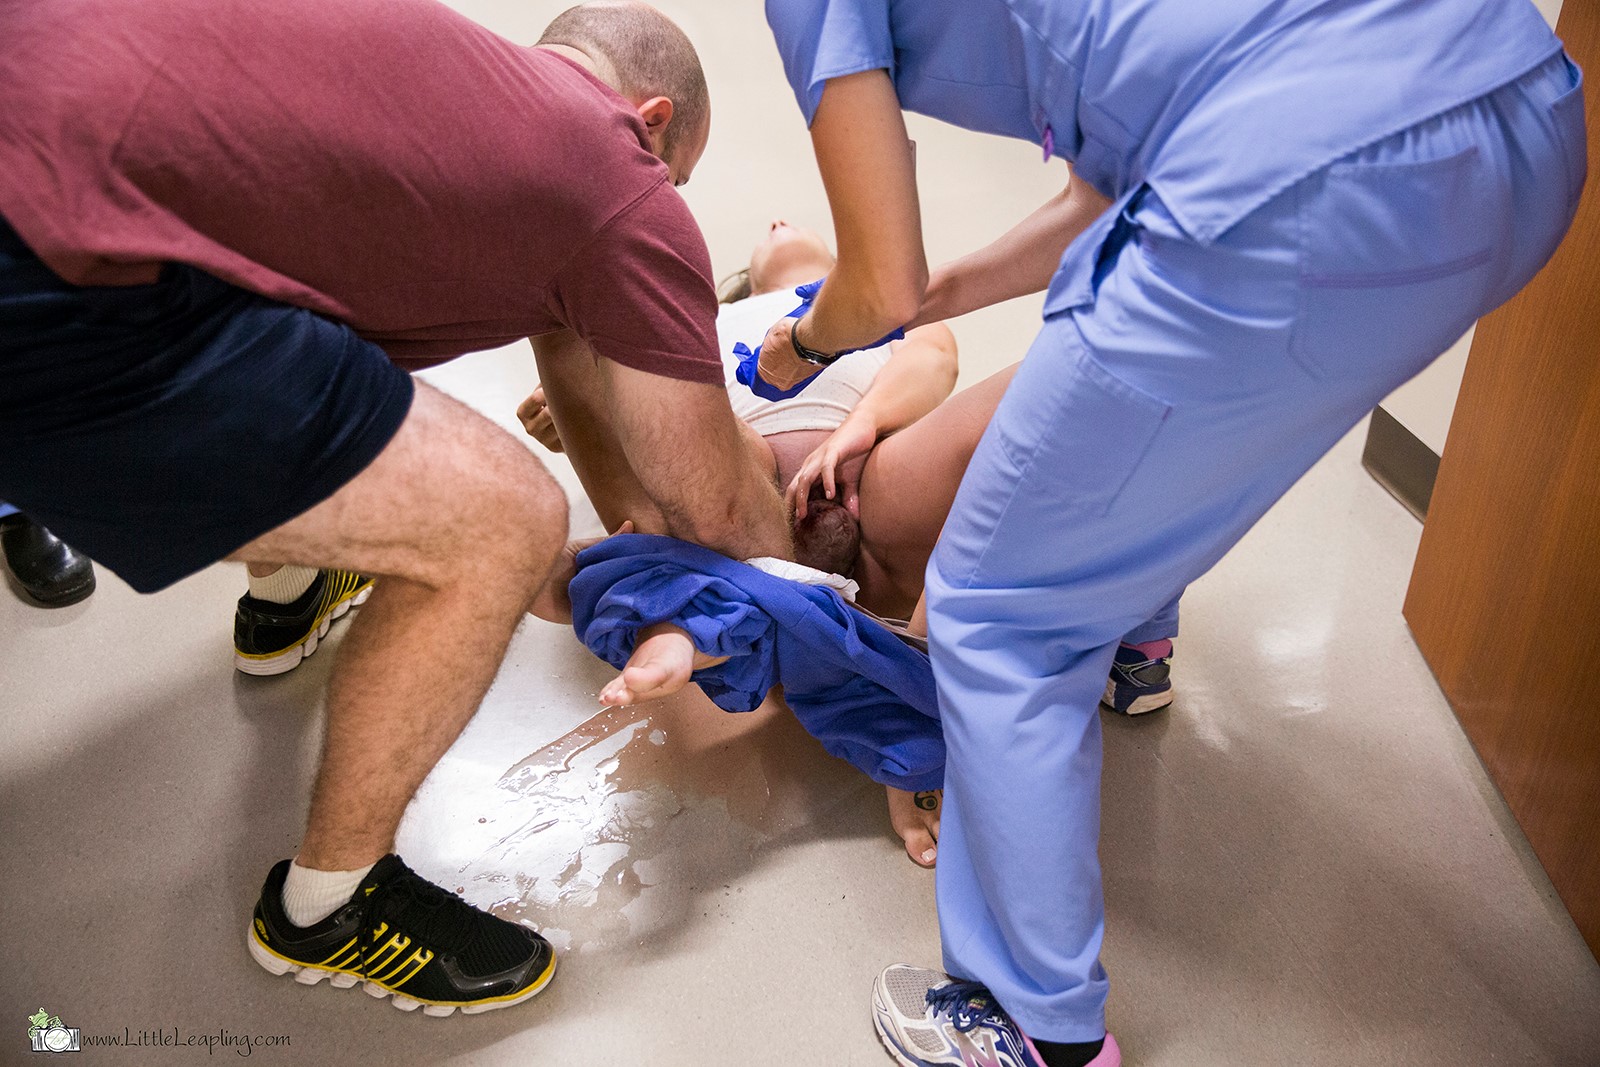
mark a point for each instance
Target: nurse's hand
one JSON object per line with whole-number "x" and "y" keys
{"x": 779, "y": 365}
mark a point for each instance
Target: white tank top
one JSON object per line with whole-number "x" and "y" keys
{"x": 823, "y": 404}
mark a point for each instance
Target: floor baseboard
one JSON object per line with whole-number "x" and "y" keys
{"x": 1400, "y": 462}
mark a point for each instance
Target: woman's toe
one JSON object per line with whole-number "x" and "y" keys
{"x": 921, "y": 848}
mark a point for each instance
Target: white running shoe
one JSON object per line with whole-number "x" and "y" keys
{"x": 927, "y": 1019}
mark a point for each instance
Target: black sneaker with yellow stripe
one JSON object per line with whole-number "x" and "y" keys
{"x": 273, "y": 638}
{"x": 403, "y": 937}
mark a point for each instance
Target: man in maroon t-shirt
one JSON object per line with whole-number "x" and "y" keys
{"x": 222, "y": 225}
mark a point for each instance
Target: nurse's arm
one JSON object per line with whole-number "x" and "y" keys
{"x": 864, "y": 155}
{"x": 1018, "y": 263}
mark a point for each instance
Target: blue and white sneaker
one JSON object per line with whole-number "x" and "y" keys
{"x": 927, "y": 1019}
{"x": 1138, "y": 685}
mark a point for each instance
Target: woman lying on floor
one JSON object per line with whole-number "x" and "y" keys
{"x": 871, "y": 452}
{"x": 869, "y": 480}
{"x": 870, "y": 483}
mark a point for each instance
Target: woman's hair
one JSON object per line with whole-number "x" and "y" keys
{"x": 735, "y": 287}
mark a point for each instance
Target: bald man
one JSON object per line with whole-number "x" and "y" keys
{"x": 227, "y": 229}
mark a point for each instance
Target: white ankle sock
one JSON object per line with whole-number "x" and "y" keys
{"x": 310, "y": 895}
{"x": 284, "y": 585}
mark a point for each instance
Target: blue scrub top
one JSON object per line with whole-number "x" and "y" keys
{"x": 1217, "y": 104}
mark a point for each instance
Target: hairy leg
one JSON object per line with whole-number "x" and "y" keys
{"x": 463, "y": 524}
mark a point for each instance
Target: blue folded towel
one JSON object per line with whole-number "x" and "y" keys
{"x": 861, "y": 691}
{"x": 749, "y": 361}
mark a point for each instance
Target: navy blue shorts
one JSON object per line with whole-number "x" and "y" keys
{"x": 159, "y": 428}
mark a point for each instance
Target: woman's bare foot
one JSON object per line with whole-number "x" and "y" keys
{"x": 661, "y": 664}
{"x": 915, "y": 817}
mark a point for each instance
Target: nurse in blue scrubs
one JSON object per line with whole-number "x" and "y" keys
{"x": 1279, "y": 211}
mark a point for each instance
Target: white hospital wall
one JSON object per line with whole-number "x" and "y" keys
{"x": 1424, "y": 404}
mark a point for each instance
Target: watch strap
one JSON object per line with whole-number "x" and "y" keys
{"x": 810, "y": 355}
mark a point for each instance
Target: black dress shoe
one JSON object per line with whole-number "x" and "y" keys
{"x": 48, "y": 569}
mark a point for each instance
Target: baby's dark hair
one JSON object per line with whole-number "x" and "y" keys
{"x": 827, "y": 539}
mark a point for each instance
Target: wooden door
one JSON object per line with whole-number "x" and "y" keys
{"x": 1505, "y": 598}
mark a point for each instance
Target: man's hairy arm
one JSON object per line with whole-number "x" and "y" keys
{"x": 698, "y": 464}
{"x": 575, "y": 391}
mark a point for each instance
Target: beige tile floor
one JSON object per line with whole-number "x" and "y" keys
{"x": 1305, "y": 863}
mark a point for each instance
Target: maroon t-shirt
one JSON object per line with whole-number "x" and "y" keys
{"x": 388, "y": 163}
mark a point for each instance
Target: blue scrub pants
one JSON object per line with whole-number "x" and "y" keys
{"x": 1175, "y": 391}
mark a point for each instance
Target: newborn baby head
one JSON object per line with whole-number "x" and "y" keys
{"x": 828, "y": 538}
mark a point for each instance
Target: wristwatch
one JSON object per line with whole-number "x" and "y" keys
{"x": 810, "y": 355}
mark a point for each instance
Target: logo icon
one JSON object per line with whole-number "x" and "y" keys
{"x": 46, "y": 1033}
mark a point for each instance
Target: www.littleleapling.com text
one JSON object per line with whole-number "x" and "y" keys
{"x": 174, "y": 1037}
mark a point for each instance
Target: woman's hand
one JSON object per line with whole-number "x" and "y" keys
{"x": 780, "y": 366}
{"x": 854, "y": 437}
{"x": 534, "y": 414}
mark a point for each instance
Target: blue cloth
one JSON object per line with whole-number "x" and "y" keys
{"x": 1205, "y": 341}
{"x": 748, "y": 372}
{"x": 6, "y": 510}
{"x": 1218, "y": 105}
{"x": 861, "y": 691}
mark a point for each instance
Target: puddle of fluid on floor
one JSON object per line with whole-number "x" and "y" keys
{"x": 607, "y": 835}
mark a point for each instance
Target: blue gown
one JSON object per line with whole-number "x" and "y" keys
{"x": 861, "y": 691}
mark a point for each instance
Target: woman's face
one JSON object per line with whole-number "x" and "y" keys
{"x": 787, "y": 256}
